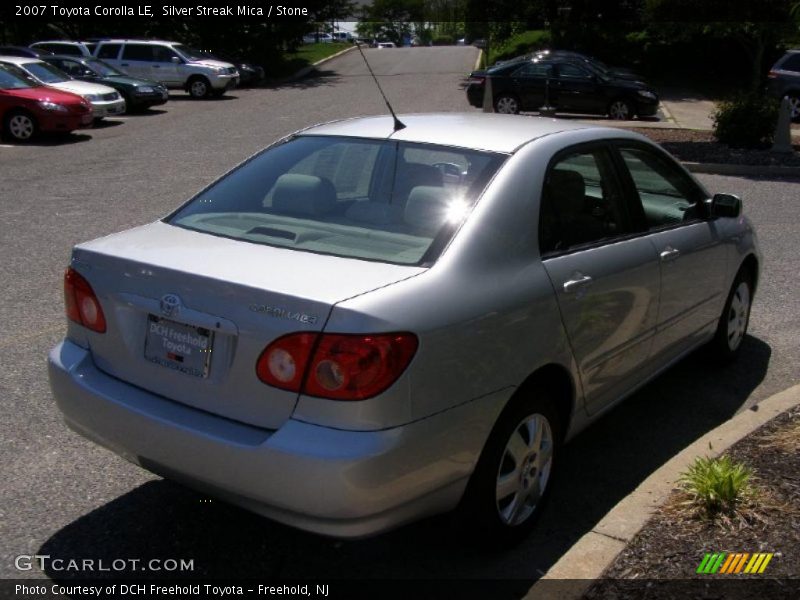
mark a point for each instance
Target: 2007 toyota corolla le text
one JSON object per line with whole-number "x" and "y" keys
{"x": 485, "y": 286}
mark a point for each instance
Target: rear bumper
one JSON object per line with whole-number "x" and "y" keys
{"x": 340, "y": 483}
{"x": 475, "y": 95}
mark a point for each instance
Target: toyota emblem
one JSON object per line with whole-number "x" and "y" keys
{"x": 170, "y": 305}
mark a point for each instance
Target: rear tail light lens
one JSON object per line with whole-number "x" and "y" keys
{"x": 336, "y": 366}
{"x": 282, "y": 364}
{"x": 772, "y": 75}
{"x": 81, "y": 303}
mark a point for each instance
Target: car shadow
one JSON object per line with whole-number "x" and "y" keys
{"x": 106, "y": 123}
{"x": 598, "y": 469}
{"x": 313, "y": 79}
{"x": 52, "y": 139}
{"x": 187, "y": 97}
{"x": 145, "y": 112}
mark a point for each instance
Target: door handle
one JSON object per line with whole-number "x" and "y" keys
{"x": 669, "y": 253}
{"x": 156, "y": 66}
{"x": 579, "y": 280}
{"x": 124, "y": 65}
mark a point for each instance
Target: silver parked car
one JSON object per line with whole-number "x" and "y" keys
{"x": 360, "y": 326}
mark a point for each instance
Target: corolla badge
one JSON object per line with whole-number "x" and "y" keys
{"x": 170, "y": 305}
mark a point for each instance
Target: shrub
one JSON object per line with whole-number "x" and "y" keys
{"x": 717, "y": 485}
{"x": 747, "y": 121}
{"x": 443, "y": 40}
{"x": 521, "y": 43}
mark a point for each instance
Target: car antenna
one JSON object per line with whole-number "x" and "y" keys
{"x": 398, "y": 124}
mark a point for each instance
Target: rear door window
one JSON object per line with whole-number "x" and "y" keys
{"x": 109, "y": 51}
{"x": 141, "y": 52}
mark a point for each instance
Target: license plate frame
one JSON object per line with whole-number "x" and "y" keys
{"x": 179, "y": 346}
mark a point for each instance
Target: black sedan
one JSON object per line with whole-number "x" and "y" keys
{"x": 563, "y": 85}
{"x": 139, "y": 94}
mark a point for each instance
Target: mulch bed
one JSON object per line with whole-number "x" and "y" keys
{"x": 671, "y": 547}
{"x": 700, "y": 146}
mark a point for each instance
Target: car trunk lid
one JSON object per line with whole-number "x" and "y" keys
{"x": 189, "y": 313}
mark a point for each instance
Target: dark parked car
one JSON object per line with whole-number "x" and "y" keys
{"x": 249, "y": 74}
{"x": 563, "y": 84}
{"x": 138, "y": 93}
{"x": 784, "y": 80}
{"x": 23, "y": 51}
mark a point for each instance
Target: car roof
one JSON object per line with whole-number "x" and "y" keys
{"x": 135, "y": 41}
{"x": 72, "y": 42}
{"x": 20, "y": 60}
{"x": 480, "y": 131}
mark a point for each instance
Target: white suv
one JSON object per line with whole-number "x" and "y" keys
{"x": 173, "y": 64}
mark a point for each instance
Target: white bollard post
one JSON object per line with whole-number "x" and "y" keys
{"x": 782, "y": 140}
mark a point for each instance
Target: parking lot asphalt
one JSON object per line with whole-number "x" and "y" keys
{"x": 62, "y": 496}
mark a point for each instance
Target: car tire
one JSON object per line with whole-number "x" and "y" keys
{"x": 732, "y": 325}
{"x": 513, "y": 477}
{"x": 794, "y": 107}
{"x": 621, "y": 110}
{"x": 20, "y": 126}
{"x": 506, "y": 104}
{"x": 198, "y": 87}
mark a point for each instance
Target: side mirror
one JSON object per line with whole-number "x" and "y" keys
{"x": 176, "y": 60}
{"x": 726, "y": 205}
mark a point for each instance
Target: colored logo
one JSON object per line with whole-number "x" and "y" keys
{"x": 723, "y": 563}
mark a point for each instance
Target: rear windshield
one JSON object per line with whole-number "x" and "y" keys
{"x": 379, "y": 200}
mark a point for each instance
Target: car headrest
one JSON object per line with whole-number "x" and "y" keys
{"x": 375, "y": 213}
{"x": 567, "y": 190}
{"x": 303, "y": 195}
{"x": 427, "y": 208}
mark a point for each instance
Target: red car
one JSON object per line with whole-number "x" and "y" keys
{"x": 27, "y": 107}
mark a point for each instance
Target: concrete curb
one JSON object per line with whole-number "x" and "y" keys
{"x": 596, "y": 551}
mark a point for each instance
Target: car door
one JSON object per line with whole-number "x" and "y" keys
{"x": 165, "y": 69}
{"x": 605, "y": 277}
{"x": 531, "y": 82}
{"x": 137, "y": 61}
{"x": 577, "y": 89}
{"x": 671, "y": 209}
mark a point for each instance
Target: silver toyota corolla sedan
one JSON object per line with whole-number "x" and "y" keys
{"x": 359, "y": 326}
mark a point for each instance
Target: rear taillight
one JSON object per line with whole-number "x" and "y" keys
{"x": 81, "y": 303}
{"x": 336, "y": 366}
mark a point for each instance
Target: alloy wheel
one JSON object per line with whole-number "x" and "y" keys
{"x": 21, "y": 127}
{"x": 198, "y": 88}
{"x": 524, "y": 469}
{"x": 619, "y": 110}
{"x": 507, "y": 105}
{"x": 794, "y": 107}
{"x": 738, "y": 315}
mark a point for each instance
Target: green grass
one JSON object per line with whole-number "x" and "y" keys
{"x": 306, "y": 55}
{"x": 717, "y": 485}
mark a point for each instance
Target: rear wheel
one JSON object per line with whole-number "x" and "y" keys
{"x": 511, "y": 481}
{"x": 199, "y": 87}
{"x": 20, "y": 126}
{"x": 506, "y": 105}
{"x": 733, "y": 322}
{"x": 620, "y": 110}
